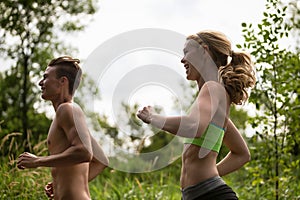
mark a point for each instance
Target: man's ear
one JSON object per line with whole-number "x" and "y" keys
{"x": 63, "y": 80}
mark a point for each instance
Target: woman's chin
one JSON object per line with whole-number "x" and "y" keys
{"x": 190, "y": 78}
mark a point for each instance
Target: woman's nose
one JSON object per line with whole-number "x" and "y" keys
{"x": 182, "y": 60}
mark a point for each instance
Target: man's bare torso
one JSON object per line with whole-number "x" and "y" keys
{"x": 70, "y": 182}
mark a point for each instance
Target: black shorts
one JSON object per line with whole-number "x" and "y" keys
{"x": 212, "y": 189}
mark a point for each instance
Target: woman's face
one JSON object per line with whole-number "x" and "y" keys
{"x": 191, "y": 73}
{"x": 198, "y": 62}
{"x": 192, "y": 59}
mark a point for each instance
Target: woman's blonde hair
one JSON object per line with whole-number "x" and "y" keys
{"x": 238, "y": 75}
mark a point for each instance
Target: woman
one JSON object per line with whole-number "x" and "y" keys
{"x": 223, "y": 77}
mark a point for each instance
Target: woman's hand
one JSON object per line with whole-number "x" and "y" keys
{"x": 145, "y": 114}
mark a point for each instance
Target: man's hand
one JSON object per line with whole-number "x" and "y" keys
{"x": 49, "y": 190}
{"x": 27, "y": 160}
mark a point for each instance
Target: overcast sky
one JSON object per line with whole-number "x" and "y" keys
{"x": 185, "y": 17}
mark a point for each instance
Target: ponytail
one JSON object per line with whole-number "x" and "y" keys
{"x": 237, "y": 76}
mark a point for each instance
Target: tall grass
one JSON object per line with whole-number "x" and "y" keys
{"x": 21, "y": 184}
{"x": 115, "y": 185}
{"x": 163, "y": 184}
{"x": 111, "y": 184}
{"x": 158, "y": 185}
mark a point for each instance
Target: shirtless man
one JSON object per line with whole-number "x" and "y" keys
{"x": 75, "y": 157}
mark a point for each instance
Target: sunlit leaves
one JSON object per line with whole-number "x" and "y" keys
{"x": 275, "y": 94}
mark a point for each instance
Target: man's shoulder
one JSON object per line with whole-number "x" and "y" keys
{"x": 68, "y": 109}
{"x": 64, "y": 108}
{"x": 65, "y": 105}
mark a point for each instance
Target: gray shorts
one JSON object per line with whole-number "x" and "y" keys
{"x": 202, "y": 188}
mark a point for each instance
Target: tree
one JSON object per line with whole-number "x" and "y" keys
{"x": 276, "y": 96}
{"x": 33, "y": 26}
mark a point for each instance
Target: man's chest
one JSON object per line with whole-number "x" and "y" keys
{"x": 57, "y": 141}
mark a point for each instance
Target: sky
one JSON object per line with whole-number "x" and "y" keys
{"x": 116, "y": 17}
{"x": 186, "y": 17}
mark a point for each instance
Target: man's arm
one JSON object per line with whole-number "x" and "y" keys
{"x": 71, "y": 120}
{"x": 99, "y": 161}
{"x": 239, "y": 153}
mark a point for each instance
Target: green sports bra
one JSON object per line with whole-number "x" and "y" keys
{"x": 211, "y": 139}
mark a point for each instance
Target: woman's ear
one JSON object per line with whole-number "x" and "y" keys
{"x": 206, "y": 50}
{"x": 205, "y": 46}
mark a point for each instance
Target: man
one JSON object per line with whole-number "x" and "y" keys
{"x": 75, "y": 157}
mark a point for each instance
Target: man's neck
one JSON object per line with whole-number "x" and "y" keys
{"x": 58, "y": 102}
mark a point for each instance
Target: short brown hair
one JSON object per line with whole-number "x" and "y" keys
{"x": 68, "y": 67}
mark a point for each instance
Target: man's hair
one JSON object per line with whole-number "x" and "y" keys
{"x": 68, "y": 67}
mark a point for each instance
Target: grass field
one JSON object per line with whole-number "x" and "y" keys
{"x": 163, "y": 184}
{"x": 111, "y": 184}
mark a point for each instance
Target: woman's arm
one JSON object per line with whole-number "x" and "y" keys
{"x": 194, "y": 124}
{"x": 239, "y": 153}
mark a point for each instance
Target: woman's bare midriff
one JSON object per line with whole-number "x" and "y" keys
{"x": 71, "y": 182}
{"x": 195, "y": 169}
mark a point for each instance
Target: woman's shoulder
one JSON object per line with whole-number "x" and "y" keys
{"x": 213, "y": 89}
{"x": 213, "y": 85}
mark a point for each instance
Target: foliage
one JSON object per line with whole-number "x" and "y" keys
{"x": 29, "y": 37}
{"x": 273, "y": 172}
{"x": 10, "y": 115}
{"x": 276, "y": 96}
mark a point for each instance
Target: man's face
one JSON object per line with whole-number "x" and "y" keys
{"x": 50, "y": 85}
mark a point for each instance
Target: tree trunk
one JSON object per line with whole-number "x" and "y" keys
{"x": 24, "y": 107}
